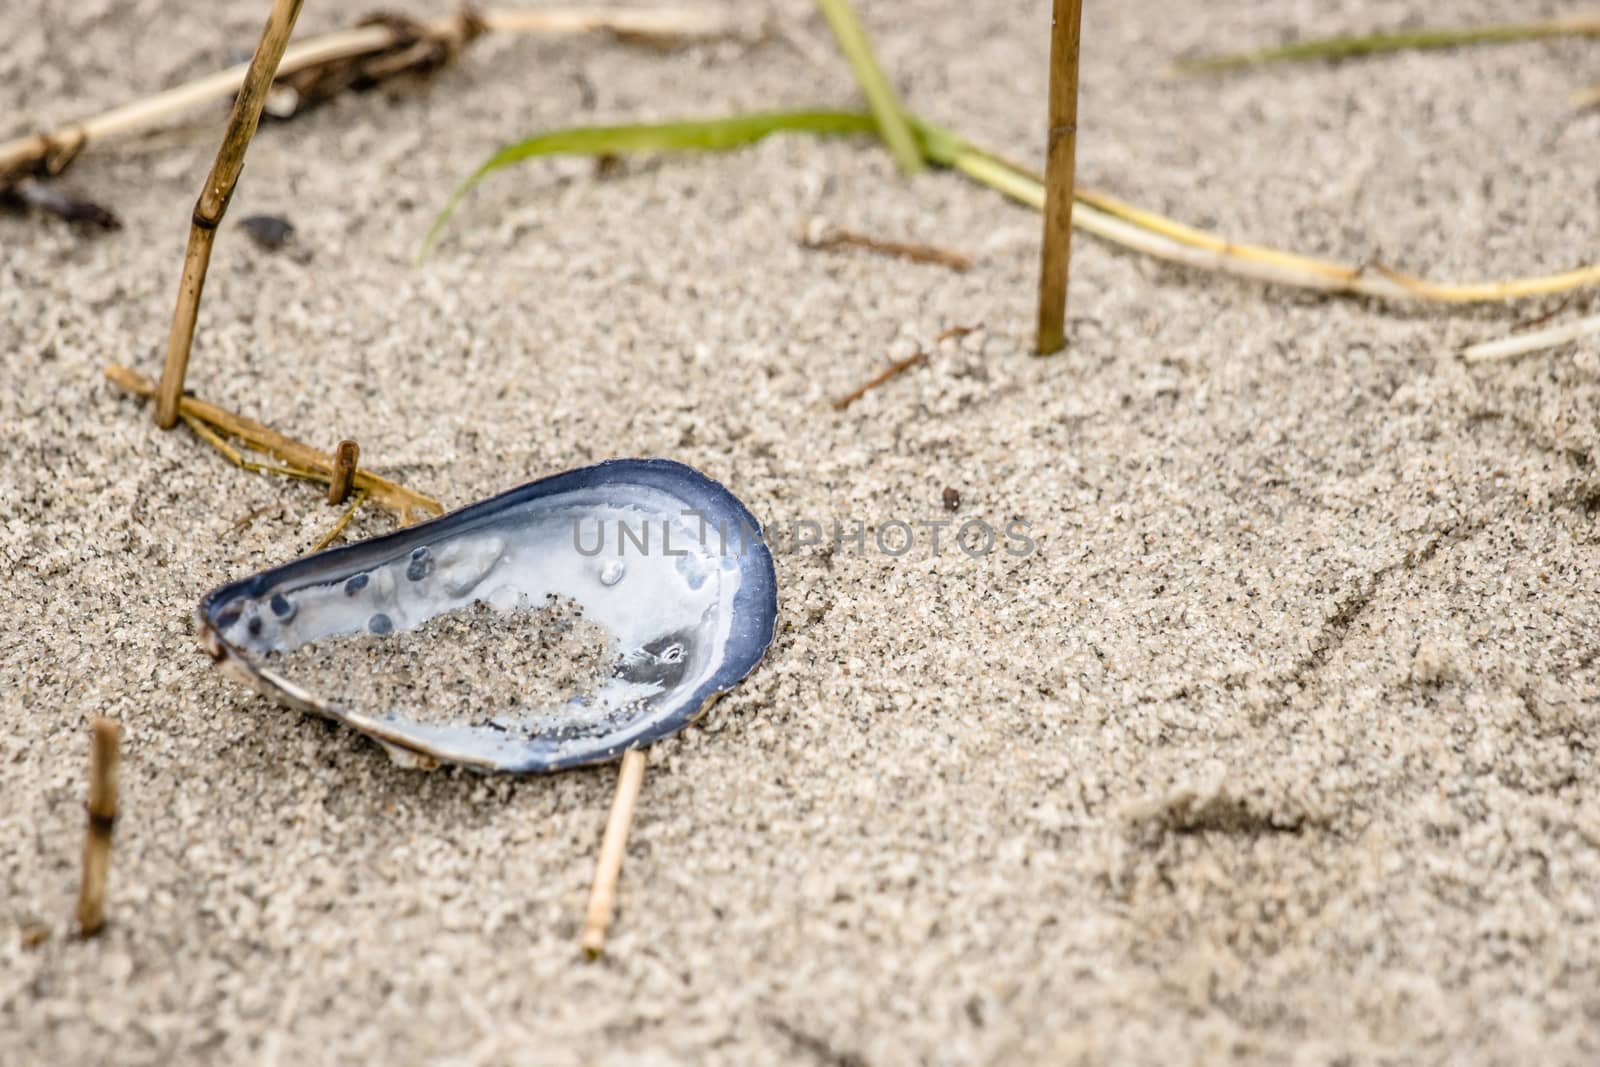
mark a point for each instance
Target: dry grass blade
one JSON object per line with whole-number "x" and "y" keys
{"x": 234, "y": 456}
{"x": 700, "y": 135}
{"x": 1523, "y": 343}
{"x": 1402, "y": 40}
{"x": 881, "y": 98}
{"x": 303, "y": 460}
{"x": 1105, "y": 217}
{"x": 52, "y": 152}
{"x": 1174, "y": 242}
{"x": 344, "y": 520}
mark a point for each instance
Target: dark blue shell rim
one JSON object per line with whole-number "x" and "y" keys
{"x": 755, "y": 605}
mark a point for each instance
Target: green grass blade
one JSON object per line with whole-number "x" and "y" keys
{"x": 891, "y": 118}
{"x": 705, "y": 135}
{"x": 1369, "y": 44}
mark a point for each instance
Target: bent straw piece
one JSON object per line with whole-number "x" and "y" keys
{"x": 881, "y": 98}
{"x": 1349, "y": 277}
{"x": 397, "y": 498}
{"x": 1523, "y": 343}
{"x": 1185, "y": 234}
{"x": 603, "y": 895}
{"x": 54, "y": 150}
{"x": 1086, "y": 217}
{"x": 1347, "y": 47}
{"x": 1175, "y": 242}
{"x": 213, "y": 202}
{"x": 104, "y": 755}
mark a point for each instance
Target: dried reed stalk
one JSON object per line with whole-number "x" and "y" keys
{"x": 213, "y": 202}
{"x": 51, "y": 152}
{"x": 104, "y": 755}
{"x": 1060, "y": 164}
{"x": 603, "y": 895}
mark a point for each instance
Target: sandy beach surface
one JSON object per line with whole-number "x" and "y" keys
{"x": 1279, "y": 748}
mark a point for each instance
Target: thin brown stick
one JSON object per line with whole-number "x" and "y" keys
{"x": 213, "y": 202}
{"x": 51, "y": 152}
{"x": 344, "y": 471}
{"x": 899, "y": 366}
{"x": 407, "y": 504}
{"x": 955, "y": 333}
{"x": 916, "y": 253}
{"x": 1061, "y": 150}
{"x": 105, "y": 739}
{"x": 603, "y": 895}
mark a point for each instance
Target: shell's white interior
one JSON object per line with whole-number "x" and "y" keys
{"x": 659, "y": 579}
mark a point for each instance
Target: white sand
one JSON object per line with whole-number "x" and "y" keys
{"x": 1280, "y": 749}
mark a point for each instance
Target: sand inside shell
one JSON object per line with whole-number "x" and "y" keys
{"x": 471, "y": 665}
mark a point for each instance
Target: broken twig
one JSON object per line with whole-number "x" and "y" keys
{"x": 832, "y": 237}
{"x": 603, "y": 895}
{"x": 104, "y": 756}
{"x": 344, "y": 471}
{"x": 899, "y": 366}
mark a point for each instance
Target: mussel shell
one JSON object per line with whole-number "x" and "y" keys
{"x": 692, "y": 613}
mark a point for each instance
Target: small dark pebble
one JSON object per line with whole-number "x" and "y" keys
{"x": 355, "y": 585}
{"x": 254, "y": 626}
{"x": 271, "y": 232}
{"x": 281, "y": 606}
{"x": 421, "y": 553}
{"x": 380, "y": 624}
{"x": 952, "y": 499}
